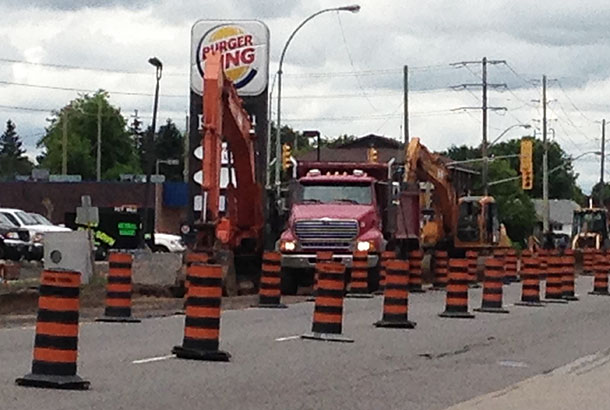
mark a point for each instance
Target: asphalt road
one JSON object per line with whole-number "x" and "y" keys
{"x": 438, "y": 364}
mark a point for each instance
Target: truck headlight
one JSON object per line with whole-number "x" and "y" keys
{"x": 288, "y": 246}
{"x": 365, "y": 246}
{"x": 11, "y": 235}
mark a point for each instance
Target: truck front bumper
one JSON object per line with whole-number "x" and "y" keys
{"x": 308, "y": 261}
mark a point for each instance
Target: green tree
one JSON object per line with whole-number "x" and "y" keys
{"x": 169, "y": 144}
{"x": 12, "y": 159}
{"x": 515, "y": 208}
{"x": 605, "y": 193}
{"x": 80, "y": 117}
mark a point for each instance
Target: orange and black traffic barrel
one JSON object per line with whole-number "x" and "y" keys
{"x": 119, "y": 289}
{"x": 457, "y": 290}
{"x": 191, "y": 258}
{"x": 359, "y": 282}
{"x": 328, "y": 310}
{"x": 554, "y": 293}
{"x": 543, "y": 255}
{"x": 492, "y": 287}
{"x": 56, "y": 341}
{"x": 568, "y": 275}
{"x": 588, "y": 256}
{"x": 473, "y": 261}
{"x": 321, "y": 256}
{"x": 530, "y": 280}
{"x": 510, "y": 264}
{"x": 441, "y": 260}
{"x": 385, "y": 257}
{"x": 415, "y": 271}
{"x": 396, "y": 296}
{"x": 202, "y": 321}
{"x": 600, "y": 280}
{"x": 270, "y": 292}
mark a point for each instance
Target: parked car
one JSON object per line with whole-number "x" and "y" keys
{"x": 23, "y": 220}
{"x": 165, "y": 242}
{"x": 14, "y": 241}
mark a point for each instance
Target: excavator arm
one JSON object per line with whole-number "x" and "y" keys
{"x": 425, "y": 166}
{"x": 225, "y": 117}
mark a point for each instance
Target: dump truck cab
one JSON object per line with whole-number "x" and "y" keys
{"x": 334, "y": 208}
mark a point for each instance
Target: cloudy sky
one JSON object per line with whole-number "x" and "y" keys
{"x": 343, "y": 72}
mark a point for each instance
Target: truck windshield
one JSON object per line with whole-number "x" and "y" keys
{"x": 589, "y": 222}
{"x": 356, "y": 194}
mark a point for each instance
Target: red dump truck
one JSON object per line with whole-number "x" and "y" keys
{"x": 340, "y": 207}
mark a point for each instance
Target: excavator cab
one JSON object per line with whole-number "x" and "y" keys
{"x": 589, "y": 228}
{"x": 477, "y": 222}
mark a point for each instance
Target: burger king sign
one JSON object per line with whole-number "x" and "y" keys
{"x": 245, "y": 53}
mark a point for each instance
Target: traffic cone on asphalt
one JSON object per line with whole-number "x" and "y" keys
{"x": 510, "y": 263}
{"x": 588, "y": 259}
{"x": 359, "y": 282}
{"x": 492, "y": 287}
{"x": 56, "y": 342}
{"x": 553, "y": 291}
{"x": 457, "y": 290}
{"x": 202, "y": 321}
{"x": 415, "y": 273}
{"x": 568, "y": 274}
{"x": 473, "y": 258}
{"x": 441, "y": 259}
{"x": 270, "y": 292}
{"x": 321, "y": 256}
{"x": 543, "y": 255}
{"x": 191, "y": 258}
{"x": 530, "y": 281}
{"x": 385, "y": 257}
{"x": 118, "y": 289}
{"x": 396, "y": 297}
{"x": 600, "y": 280}
{"x": 500, "y": 255}
{"x": 328, "y": 311}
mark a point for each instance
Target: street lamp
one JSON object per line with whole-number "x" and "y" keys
{"x": 154, "y": 61}
{"x": 485, "y": 158}
{"x": 354, "y": 8}
{"x": 558, "y": 167}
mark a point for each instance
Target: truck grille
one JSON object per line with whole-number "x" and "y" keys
{"x": 326, "y": 233}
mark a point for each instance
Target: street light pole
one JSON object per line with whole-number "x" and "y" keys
{"x": 278, "y": 144}
{"x": 154, "y": 61}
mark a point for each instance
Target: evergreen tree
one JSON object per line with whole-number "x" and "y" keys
{"x": 12, "y": 155}
{"x": 169, "y": 144}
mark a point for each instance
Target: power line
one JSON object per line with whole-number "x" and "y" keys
{"x": 51, "y": 87}
{"x": 572, "y": 102}
{"x": 76, "y": 67}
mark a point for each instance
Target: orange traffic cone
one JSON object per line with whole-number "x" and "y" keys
{"x": 396, "y": 297}
{"x": 492, "y": 287}
{"x": 457, "y": 290}
{"x": 55, "y": 345}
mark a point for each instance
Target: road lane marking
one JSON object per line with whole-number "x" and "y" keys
{"x": 512, "y": 363}
{"x": 153, "y": 359}
{"x": 283, "y": 339}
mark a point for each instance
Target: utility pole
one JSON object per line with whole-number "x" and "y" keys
{"x": 64, "y": 144}
{"x": 545, "y": 163}
{"x": 484, "y": 139}
{"x": 98, "y": 164}
{"x": 484, "y": 108}
{"x": 187, "y": 154}
{"x": 406, "y": 105}
{"x": 601, "y": 174}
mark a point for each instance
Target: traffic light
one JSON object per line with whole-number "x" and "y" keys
{"x": 371, "y": 155}
{"x": 526, "y": 165}
{"x": 286, "y": 154}
{"x": 527, "y": 180}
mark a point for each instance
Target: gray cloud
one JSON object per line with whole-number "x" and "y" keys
{"x": 76, "y": 5}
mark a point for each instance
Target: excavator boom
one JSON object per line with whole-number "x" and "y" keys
{"x": 225, "y": 117}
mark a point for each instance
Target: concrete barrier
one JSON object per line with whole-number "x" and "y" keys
{"x": 156, "y": 269}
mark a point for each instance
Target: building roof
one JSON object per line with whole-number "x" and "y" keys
{"x": 560, "y": 210}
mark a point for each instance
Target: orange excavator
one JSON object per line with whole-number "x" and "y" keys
{"x": 469, "y": 222}
{"x": 239, "y": 229}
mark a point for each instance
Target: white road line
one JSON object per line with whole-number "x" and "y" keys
{"x": 153, "y": 359}
{"x": 283, "y": 339}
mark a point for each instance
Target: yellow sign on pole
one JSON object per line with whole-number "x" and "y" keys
{"x": 526, "y": 164}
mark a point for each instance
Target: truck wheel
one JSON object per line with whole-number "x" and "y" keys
{"x": 290, "y": 282}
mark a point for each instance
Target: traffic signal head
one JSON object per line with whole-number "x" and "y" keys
{"x": 286, "y": 154}
{"x": 372, "y": 155}
{"x": 527, "y": 180}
